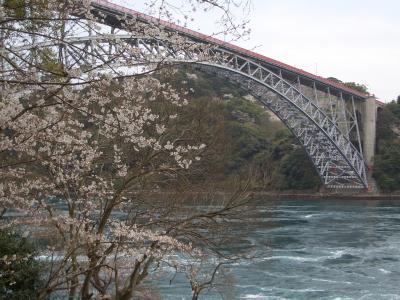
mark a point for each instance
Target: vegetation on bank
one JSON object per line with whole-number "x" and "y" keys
{"x": 387, "y": 158}
{"x": 244, "y": 139}
{"x": 247, "y": 141}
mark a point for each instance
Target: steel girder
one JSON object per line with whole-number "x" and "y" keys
{"x": 338, "y": 162}
{"x": 332, "y": 169}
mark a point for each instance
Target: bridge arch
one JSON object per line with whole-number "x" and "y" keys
{"x": 312, "y": 132}
{"x": 337, "y": 161}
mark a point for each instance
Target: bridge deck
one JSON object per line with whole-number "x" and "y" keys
{"x": 108, "y": 7}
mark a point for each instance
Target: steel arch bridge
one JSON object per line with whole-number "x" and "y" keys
{"x": 321, "y": 114}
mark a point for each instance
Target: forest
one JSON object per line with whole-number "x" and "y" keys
{"x": 246, "y": 141}
{"x": 387, "y": 159}
{"x": 249, "y": 143}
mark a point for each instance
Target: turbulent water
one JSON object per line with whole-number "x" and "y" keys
{"x": 314, "y": 250}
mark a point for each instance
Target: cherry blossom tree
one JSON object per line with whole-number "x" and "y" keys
{"x": 80, "y": 143}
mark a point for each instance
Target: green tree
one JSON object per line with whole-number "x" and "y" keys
{"x": 387, "y": 159}
{"x": 334, "y": 79}
{"x": 298, "y": 172}
{"x": 353, "y": 85}
{"x": 19, "y": 271}
{"x": 387, "y": 166}
{"x": 357, "y": 86}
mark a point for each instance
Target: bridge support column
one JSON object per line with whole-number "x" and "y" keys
{"x": 369, "y": 129}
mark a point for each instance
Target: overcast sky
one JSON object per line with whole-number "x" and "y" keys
{"x": 352, "y": 40}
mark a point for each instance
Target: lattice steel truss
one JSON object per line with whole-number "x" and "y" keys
{"x": 324, "y": 123}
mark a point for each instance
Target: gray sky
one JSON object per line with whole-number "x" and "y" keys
{"x": 353, "y": 40}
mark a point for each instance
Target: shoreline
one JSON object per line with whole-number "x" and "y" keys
{"x": 276, "y": 196}
{"x": 322, "y": 196}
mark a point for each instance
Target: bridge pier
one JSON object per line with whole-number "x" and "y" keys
{"x": 369, "y": 116}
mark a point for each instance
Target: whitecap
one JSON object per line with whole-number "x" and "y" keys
{"x": 337, "y": 254}
{"x": 307, "y": 290}
{"x": 280, "y": 275}
{"x": 296, "y": 258}
{"x": 385, "y": 271}
{"x": 254, "y": 296}
{"x": 331, "y": 281}
{"x": 380, "y": 296}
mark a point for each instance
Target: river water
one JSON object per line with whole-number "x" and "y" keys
{"x": 314, "y": 250}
